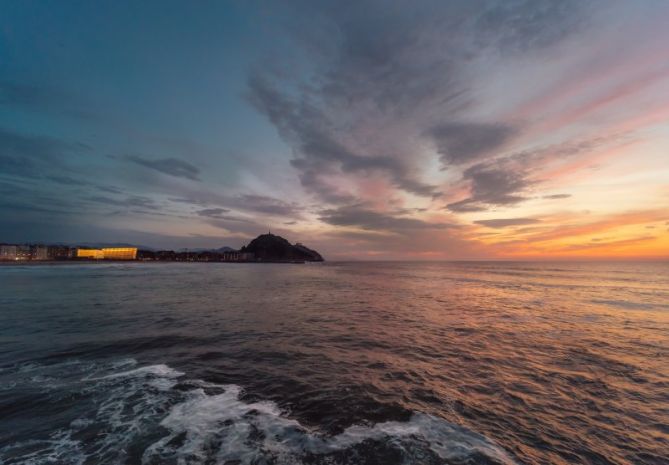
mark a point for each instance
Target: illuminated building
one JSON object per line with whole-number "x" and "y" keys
{"x": 95, "y": 254}
{"x": 120, "y": 253}
{"x": 109, "y": 253}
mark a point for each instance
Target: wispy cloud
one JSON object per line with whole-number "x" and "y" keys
{"x": 132, "y": 201}
{"x": 467, "y": 142}
{"x": 213, "y": 212}
{"x": 361, "y": 217}
{"x": 505, "y": 222}
{"x": 170, "y": 166}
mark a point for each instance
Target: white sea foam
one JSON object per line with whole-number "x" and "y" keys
{"x": 161, "y": 370}
{"x": 60, "y": 448}
{"x": 247, "y": 432}
{"x": 204, "y": 427}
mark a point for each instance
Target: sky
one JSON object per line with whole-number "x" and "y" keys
{"x": 380, "y": 130}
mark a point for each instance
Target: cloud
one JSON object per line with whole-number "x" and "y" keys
{"x": 17, "y": 166}
{"x": 388, "y": 84}
{"x": 602, "y": 243}
{"x": 466, "y": 142}
{"x": 109, "y": 189}
{"x": 170, "y": 166}
{"x": 66, "y": 180}
{"x": 568, "y": 149}
{"x": 243, "y": 202}
{"x": 133, "y": 201}
{"x": 528, "y": 26}
{"x": 364, "y": 218}
{"x": 578, "y": 225}
{"x": 32, "y": 156}
{"x": 385, "y": 110}
{"x": 556, "y": 196}
{"x": 320, "y": 148}
{"x": 492, "y": 183}
{"x": 504, "y": 222}
{"x": 503, "y": 180}
{"x": 212, "y": 212}
{"x": 17, "y": 146}
{"x": 264, "y": 204}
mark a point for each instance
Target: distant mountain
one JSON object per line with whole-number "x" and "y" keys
{"x": 102, "y": 245}
{"x": 272, "y": 248}
{"x": 200, "y": 249}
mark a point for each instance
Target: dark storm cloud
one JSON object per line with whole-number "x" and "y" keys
{"x": 504, "y": 222}
{"x": 170, "y": 166}
{"x": 466, "y": 142}
{"x": 364, "y": 218}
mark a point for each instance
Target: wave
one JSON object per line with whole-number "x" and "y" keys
{"x": 628, "y": 305}
{"x": 154, "y": 415}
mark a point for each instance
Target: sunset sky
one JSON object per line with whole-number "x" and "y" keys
{"x": 506, "y": 129}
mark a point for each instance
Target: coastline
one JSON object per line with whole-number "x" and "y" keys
{"x": 102, "y": 262}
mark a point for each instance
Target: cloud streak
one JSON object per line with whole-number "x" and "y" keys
{"x": 358, "y": 216}
{"x": 506, "y": 222}
{"x": 170, "y": 166}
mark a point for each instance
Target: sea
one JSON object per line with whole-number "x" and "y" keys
{"x": 335, "y": 363}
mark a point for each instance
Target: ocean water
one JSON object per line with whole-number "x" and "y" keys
{"x": 335, "y": 363}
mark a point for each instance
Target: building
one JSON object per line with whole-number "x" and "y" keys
{"x": 91, "y": 254}
{"x": 23, "y": 252}
{"x": 108, "y": 253}
{"x": 61, "y": 252}
{"x": 39, "y": 252}
{"x": 8, "y": 252}
{"x": 120, "y": 253}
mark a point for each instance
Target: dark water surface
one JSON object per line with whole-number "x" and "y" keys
{"x": 339, "y": 363}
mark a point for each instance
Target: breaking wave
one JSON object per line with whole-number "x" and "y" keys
{"x": 155, "y": 415}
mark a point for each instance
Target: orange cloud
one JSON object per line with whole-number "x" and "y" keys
{"x": 619, "y": 235}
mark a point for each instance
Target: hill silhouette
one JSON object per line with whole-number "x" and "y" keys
{"x": 270, "y": 247}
